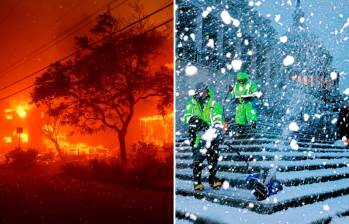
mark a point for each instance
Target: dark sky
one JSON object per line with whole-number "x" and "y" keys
{"x": 26, "y": 25}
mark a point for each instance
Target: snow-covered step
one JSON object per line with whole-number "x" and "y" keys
{"x": 293, "y": 178}
{"x": 283, "y": 166}
{"x": 269, "y": 139}
{"x": 264, "y": 147}
{"x": 267, "y": 156}
{"x": 202, "y": 211}
{"x": 290, "y": 197}
{"x": 340, "y": 220}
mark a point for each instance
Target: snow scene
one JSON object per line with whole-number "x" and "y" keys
{"x": 294, "y": 139}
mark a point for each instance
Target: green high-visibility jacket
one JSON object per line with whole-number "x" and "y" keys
{"x": 210, "y": 113}
{"x": 245, "y": 112}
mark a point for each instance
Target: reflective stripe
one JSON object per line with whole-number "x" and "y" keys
{"x": 187, "y": 117}
{"x": 217, "y": 116}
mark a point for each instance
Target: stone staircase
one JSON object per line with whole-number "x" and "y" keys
{"x": 315, "y": 179}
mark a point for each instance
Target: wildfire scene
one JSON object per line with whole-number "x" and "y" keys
{"x": 86, "y": 111}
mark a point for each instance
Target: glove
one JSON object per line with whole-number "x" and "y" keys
{"x": 248, "y": 99}
{"x": 197, "y": 123}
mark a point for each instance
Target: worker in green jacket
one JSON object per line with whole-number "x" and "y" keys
{"x": 204, "y": 117}
{"x": 244, "y": 91}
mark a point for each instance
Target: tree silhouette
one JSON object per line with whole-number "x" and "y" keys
{"x": 101, "y": 86}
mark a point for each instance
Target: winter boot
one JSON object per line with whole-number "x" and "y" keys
{"x": 199, "y": 187}
{"x": 215, "y": 182}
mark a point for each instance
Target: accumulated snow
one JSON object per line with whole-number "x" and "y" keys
{"x": 288, "y": 60}
{"x": 306, "y": 117}
{"x": 293, "y": 126}
{"x": 236, "y": 64}
{"x": 191, "y": 70}
{"x": 227, "y": 214}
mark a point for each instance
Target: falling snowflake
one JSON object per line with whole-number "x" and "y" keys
{"x": 277, "y": 18}
{"x": 206, "y": 12}
{"x": 225, "y": 185}
{"x": 333, "y": 75}
{"x": 191, "y": 70}
{"x": 283, "y": 39}
{"x": 236, "y": 64}
{"x": 227, "y": 19}
{"x": 293, "y": 126}
{"x": 346, "y": 91}
{"x": 210, "y": 43}
{"x": 191, "y": 92}
{"x": 326, "y": 207}
{"x": 288, "y": 60}
{"x": 294, "y": 145}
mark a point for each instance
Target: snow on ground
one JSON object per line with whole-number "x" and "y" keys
{"x": 227, "y": 214}
{"x": 288, "y": 154}
{"x": 340, "y": 220}
{"x": 288, "y": 193}
{"x": 282, "y": 163}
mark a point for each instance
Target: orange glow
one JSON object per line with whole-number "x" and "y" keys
{"x": 8, "y": 139}
{"x": 20, "y": 109}
{"x": 157, "y": 129}
{"x": 24, "y": 137}
{"x": 79, "y": 148}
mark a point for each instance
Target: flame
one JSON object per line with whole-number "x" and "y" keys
{"x": 79, "y": 148}
{"x": 8, "y": 139}
{"x": 157, "y": 129}
{"x": 20, "y": 109}
{"x": 24, "y": 137}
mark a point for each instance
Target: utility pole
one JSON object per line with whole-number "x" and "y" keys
{"x": 19, "y": 132}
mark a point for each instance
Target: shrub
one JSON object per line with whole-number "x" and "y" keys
{"x": 22, "y": 159}
{"x": 152, "y": 162}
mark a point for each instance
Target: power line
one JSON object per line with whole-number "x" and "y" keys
{"x": 63, "y": 36}
{"x": 32, "y": 85}
{"x": 77, "y": 51}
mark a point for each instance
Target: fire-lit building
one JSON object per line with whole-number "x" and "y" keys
{"x": 157, "y": 130}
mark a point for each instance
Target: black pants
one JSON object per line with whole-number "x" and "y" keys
{"x": 199, "y": 156}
